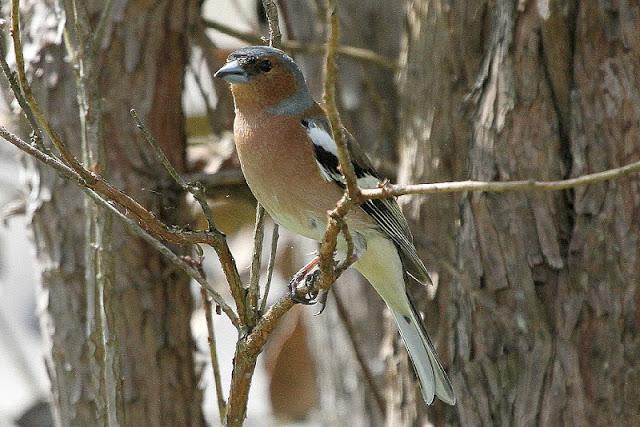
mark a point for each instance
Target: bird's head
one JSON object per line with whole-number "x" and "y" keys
{"x": 263, "y": 77}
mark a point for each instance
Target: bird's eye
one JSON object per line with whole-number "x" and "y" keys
{"x": 265, "y": 66}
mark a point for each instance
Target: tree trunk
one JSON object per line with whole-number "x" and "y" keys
{"x": 142, "y": 371}
{"x": 536, "y": 312}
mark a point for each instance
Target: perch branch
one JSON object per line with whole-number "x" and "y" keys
{"x": 335, "y": 218}
{"x": 244, "y": 362}
{"x": 338, "y": 133}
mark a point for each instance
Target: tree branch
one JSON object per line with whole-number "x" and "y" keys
{"x": 213, "y": 353}
{"x": 36, "y": 135}
{"x": 335, "y": 218}
{"x": 253, "y": 293}
{"x": 295, "y": 46}
{"x": 343, "y": 313}
{"x": 388, "y": 190}
{"x": 135, "y": 225}
{"x": 272, "y": 262}
{"x": 271, "y": 10}
{"x": 34, "y": 108}
{"x": 237, "y": 290}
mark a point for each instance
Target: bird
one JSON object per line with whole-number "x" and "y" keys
{"x": 290, "y": 162}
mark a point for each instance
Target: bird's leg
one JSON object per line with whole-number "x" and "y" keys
{"x": 309, "y": 275}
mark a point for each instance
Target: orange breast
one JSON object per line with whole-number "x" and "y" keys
{"x": 278, "y": 162}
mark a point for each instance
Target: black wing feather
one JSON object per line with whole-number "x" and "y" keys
{"x": 386, "y": 213}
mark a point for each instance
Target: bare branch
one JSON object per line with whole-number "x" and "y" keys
{"x": 343, "y": 313}
{"x": 213, "y": 352}
{"x": 99, "y": 272}
{"x": 135, "y": 226}
{"x": 193, "y": 188}
{"x": 346, "y": 167}
{"x": 260, "y": 334}
{"x": 103, "y": 22}
{"x": 196, "y": 190}
{"x": 272, "y": 262}
{"x": 240, "y": 35}
{"x": 36, "y": 135}
{"x": 329, "y": 273}
{"x": 34, "y": 107}
{"x": 295, "y": 46}
{"x": 389, "y": 190}
{"x": 223, "y": 178}
{"x": 271, "y": 10}
{"x": 254, "y": 279}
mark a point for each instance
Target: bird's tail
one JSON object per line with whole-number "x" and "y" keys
{"x": 433, "y": 378}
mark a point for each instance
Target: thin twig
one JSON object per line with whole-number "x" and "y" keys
{"x": 36, "y": 135}
{"x": 253, "y": 294}
{"x": 215, "y": 180}
{"x": 135, "y": 226}
{"x": 335, "y": 219}
{"x": 233, "y": 278}
{"x": 343, "y": 313}
{"x": 295, "y": 46}
{"x": 34, "y": 107}
{"x": 271, "y": 10}
{"x": 223, "y": 117}
{"x": 213, "y": 352}
{"x": 499, "y": 187}
{"x": 103, "y": 21}
{"x": 346, "y": 167}
{"x": 210, "y": 111}
{"x": 194, "y": 188}
{"x": 272, "y": 262}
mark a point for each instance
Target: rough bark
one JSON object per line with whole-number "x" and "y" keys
{"x": 148, "y": 304}
{"x": 537, "y": 300}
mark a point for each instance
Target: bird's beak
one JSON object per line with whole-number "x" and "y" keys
{"x": 233, "y": 73}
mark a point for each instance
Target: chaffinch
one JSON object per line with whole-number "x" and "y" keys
{"x": 290, "y": 163}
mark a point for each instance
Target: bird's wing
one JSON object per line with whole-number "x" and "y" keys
{"x": 385, "y": 212}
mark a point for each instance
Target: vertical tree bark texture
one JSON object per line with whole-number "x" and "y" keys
{"x": 538, "y": 296}
{"x": 148, "y": 307}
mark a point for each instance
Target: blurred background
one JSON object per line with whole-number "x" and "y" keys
{"x": 535, "y": 309}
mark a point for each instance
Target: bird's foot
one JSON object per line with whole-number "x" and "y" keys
{"x": 305, "y": 290}
{"x": 303, "y": 287}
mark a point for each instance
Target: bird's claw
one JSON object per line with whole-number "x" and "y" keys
{"x": 321, "y": 299}
{"x": 303, "y": 288}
